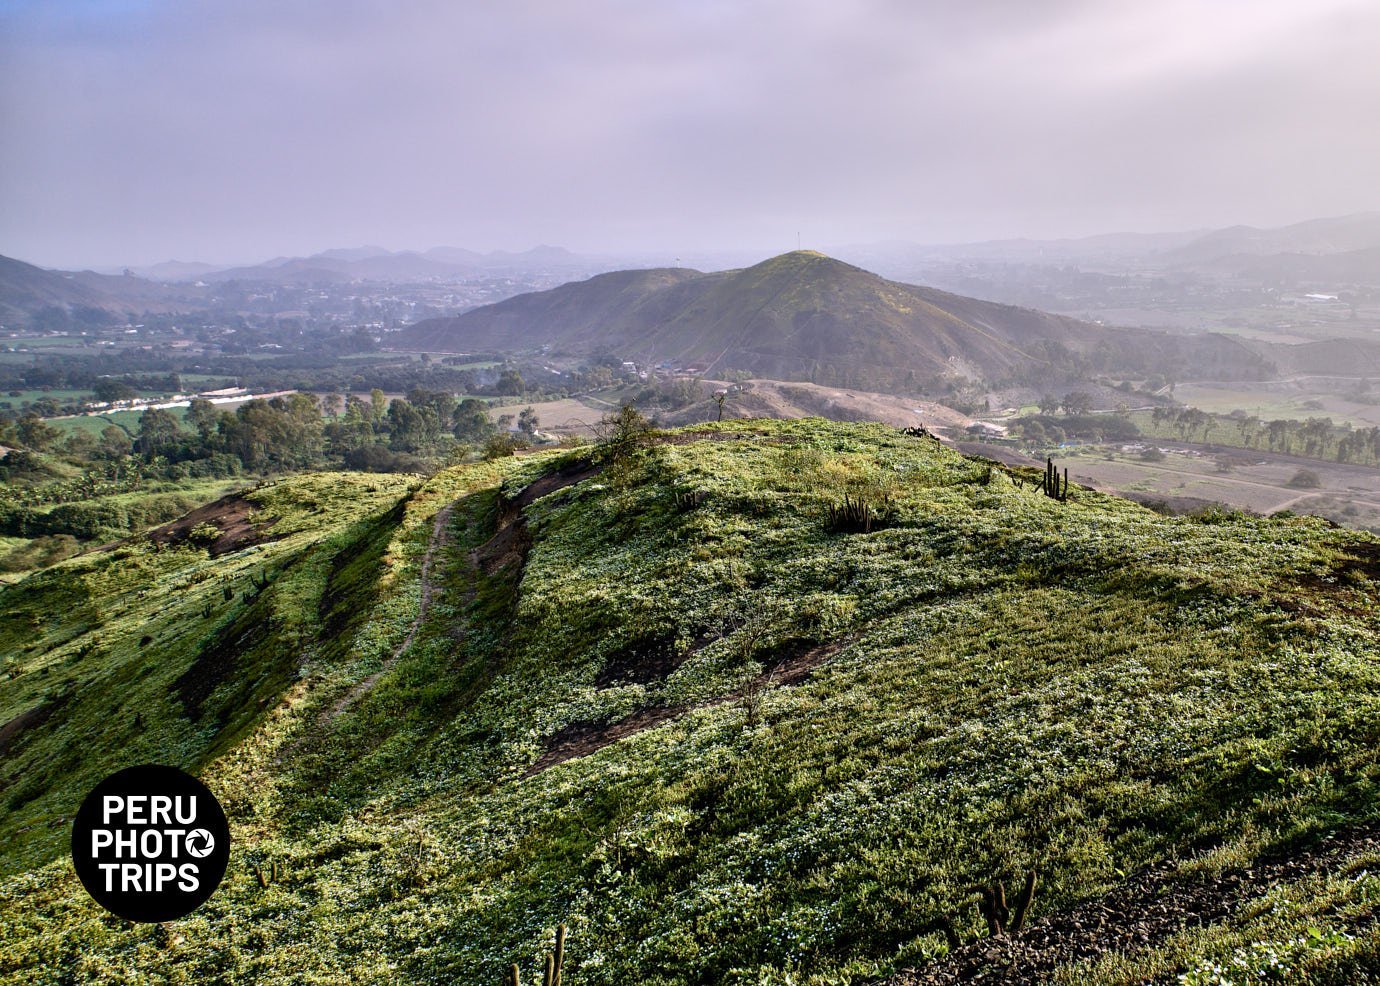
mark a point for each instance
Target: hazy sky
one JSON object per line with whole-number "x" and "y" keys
{"x": 133, "y": 131}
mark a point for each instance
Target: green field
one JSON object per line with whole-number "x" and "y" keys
{"x": 29, "y": 396}
{"x": 682, "y": 699}
{"x": 205, "y": 381}
{"x": 94, "y": 424}
{"x": 1266, "y": 404}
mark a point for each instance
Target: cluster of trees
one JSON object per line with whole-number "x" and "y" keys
{"x": 1075, "y": 402}
{"x": 424, "y": 423}
{"x": 1049, "y": 429}
{"x": 283, "y": 434}
{"x": 1314, "y": 438}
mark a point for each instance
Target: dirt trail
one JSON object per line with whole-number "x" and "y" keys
{"x": 1142, "y": 913}
{"x": 439, "y": 541}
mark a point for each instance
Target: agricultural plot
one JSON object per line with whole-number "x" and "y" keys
{"x": 1268, "y": 401}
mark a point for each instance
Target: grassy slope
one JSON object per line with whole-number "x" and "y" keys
{"x": 797, "y": 316}
{"x": 1082, "y": 688}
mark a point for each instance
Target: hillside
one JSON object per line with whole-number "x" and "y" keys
{"x": 1332, "y": 235}
{"x": 657, "y": 694}
{"x": 402, "y": 267}
{"x": 806, "y": 317}
{"x": 26, "y": 289}
{"x": 1354, "y": 267}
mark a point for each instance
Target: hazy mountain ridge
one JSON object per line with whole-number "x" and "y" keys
{"x": 784, "y": 315}
{"x": 1332, "y": 235}
{"x": 25, "y": 289}
{"x": 1184, "y": 248}
{"x": 377, "y": 263}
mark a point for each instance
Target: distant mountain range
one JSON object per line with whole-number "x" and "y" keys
{"x": 176, "y": 286}
{"x": 1186, "y": 248}
{"x": 1322, "y": 254}
{"x": 805, "y": 316}
{"x": 1317, "y": 237}
{"x": 26, "y": 289}
{"x": 372, "y": 263}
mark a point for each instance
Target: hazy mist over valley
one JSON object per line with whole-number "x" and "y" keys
{"x": 690, "y": 493}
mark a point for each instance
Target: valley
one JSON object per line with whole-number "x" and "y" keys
{"x": 679, "y": 494}
{"x": 724, "y": 613}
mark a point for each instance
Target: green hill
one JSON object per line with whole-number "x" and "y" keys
{"x": 681, "y": 700}
{"x": 805, "y": 316}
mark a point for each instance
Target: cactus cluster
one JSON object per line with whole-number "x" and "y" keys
{"x": 995, "y": 911}
{"x": 1050, "y": 487}
{"x": 271, "y": 873}
{"x": 853, "y": 516}
{"x": 551, "y": 970}
{"x": 688, "y": 499}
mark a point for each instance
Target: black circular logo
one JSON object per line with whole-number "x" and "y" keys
{"x": 150, "y": 843}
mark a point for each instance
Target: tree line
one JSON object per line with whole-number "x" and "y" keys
{"x": 1313, "y": 438}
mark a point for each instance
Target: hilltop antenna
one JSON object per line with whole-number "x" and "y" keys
{"x": 797, "y": 239}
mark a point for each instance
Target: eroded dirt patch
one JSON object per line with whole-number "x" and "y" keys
{"x": 646, "y": 660}
{"x": 1141, "y": 913}
{"x": 509, "y": 544}
{"x": 511, "y": 540}
{"x": 230, "y": 516}
{"x": 220, "y": 659}
{"x": 1343, "y": 585}
{"x": 1363, "y": 558}
{"x": 559, "y": 479}
{"x": 580, "y": 739}
{"x": 11, "y": 731}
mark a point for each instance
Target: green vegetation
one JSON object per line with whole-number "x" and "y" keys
{"x": 649, "y": 691}
{"x": 803, "y": 316}
{"x": 1314, "y": 438}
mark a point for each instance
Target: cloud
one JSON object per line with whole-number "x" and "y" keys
{"x": 232, "y": 130}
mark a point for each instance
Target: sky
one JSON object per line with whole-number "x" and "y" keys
{"x": 136, "y": 131}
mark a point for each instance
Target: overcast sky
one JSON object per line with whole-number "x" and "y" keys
{"x": 133, "y": 131}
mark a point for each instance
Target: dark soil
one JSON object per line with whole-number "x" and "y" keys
{"x": 230, "y": 515}
{"x": 11, "y": 731}
{"x": 1363, "y": 558}
{"x": 1141, "y": 913}
{"x": 508, "y": 546}
{"x": 511, "y": 541}
{"x": 580, "y": 739}
{"x": 568, "y": 475}
{"x": 1345, "y": 593}
{"x": 686, "y": 438}
{"x": 644, "y": 661}
{"x": 219, "y": 660}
